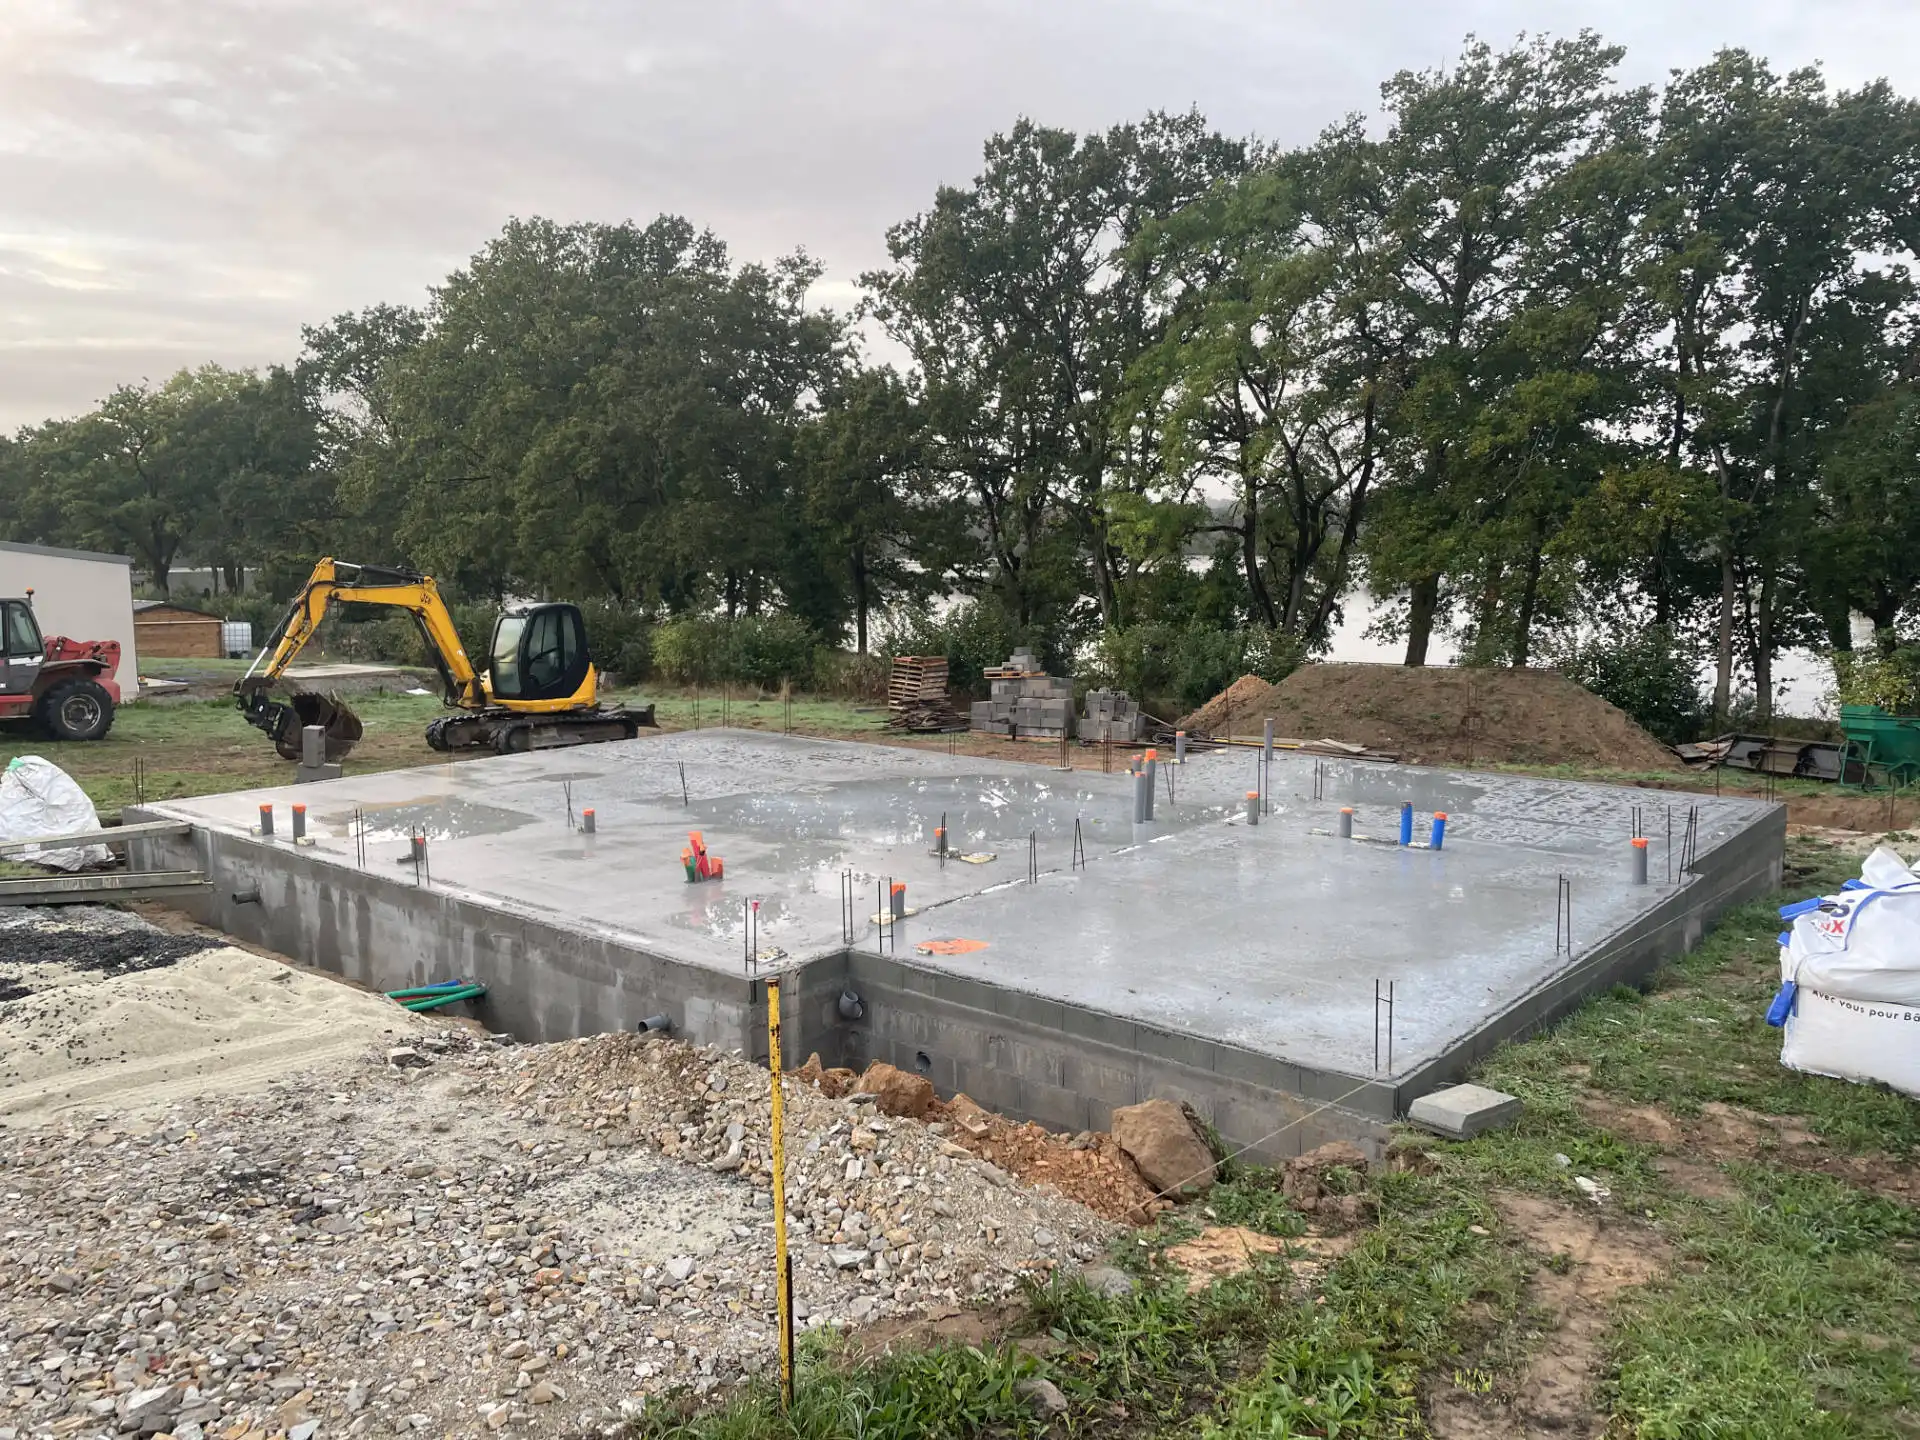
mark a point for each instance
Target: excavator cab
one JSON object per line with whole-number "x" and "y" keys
{"x": 539, "y": 652}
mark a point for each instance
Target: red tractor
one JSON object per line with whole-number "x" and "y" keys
{"x": 64, "y": 686}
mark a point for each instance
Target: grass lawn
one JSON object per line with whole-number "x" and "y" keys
{"x": 201, "y": 747}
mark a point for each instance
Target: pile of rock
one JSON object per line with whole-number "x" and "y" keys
{"x": 470, "y": 1237}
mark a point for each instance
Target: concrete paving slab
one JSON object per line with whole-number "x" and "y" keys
{"x": 1464, "y": 1111}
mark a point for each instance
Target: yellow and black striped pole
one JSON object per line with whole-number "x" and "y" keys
{"x": 782, "y": 1261}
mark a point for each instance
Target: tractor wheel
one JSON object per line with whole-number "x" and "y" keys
{"x": 78, "y": 709}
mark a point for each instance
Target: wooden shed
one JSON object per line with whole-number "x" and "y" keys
{"x": 165, "y": 629}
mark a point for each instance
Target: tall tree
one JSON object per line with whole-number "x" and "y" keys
{"x": 1772, "y": 191}
{"x": 611, "y": 409}
{"x": 1475, "y": 159}
{"x": 1024, "y": 302}
{"x": 156, "y": 470}
{"x": 889, "y": 534}
{"x": 1270, "y": 379}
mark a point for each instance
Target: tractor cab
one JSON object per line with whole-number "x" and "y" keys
{"x": 24, "y": 650}
{"x": 539, "y": 652}
{"x": 66, "y": 686}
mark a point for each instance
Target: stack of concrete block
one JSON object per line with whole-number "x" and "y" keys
{"x": 1025, "y": 701}
{"x": 1112, "y": 715}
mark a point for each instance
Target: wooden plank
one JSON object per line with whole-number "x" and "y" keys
{"x": 118, "y": 834}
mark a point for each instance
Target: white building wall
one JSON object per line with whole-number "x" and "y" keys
{"x": 79, "y": 594}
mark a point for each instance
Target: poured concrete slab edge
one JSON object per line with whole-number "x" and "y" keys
{"x": 1029, "y": 1056}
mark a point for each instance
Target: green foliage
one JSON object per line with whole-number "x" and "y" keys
{"x": 974, "y": 636}
{"x": 1646, "y": 673}
{"x": 1889, "y": 679}
{"x": 1312, "y": 1389}
{"x": 757, "y": 650}
{"x": 1190, "y": 666}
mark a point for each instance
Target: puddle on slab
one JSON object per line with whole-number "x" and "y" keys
{"x": 441, "y": 819}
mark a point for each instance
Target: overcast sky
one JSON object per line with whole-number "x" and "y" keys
{"x": 191, "y": 180}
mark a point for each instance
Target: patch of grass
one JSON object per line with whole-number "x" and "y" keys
{"x": 1700, "y": 1035}
{"x": 1792, "y": 1313}
{"x": 1252, "y": 1198}
{"x": 809, "y": 714}
{"x": 203, "y": 747}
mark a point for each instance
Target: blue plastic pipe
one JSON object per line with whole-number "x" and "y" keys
{"x": 1439, "y": 829}
{"x": 1406, "y": 823}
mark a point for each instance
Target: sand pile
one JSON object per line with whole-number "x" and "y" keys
{"x": 223, "y": 1020}
{"x": 1441, "y": 716}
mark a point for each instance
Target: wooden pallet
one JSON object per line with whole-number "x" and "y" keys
{"x": 917, "y": 680}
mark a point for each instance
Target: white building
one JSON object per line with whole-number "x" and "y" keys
{"x": 77, "y": 593}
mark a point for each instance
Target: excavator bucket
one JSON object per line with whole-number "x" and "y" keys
{"x": 328, "y": 711}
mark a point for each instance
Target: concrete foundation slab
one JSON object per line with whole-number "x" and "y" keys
{"x": 1293, "y": 985}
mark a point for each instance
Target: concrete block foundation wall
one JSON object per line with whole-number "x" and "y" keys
{"x": 1026, "y": 1055}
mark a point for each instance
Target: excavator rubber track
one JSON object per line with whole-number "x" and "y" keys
{"x": 508, "y": 732}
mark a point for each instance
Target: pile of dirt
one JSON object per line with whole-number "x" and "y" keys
{"x": 1089, "y": 1167}
{"x": 1228, "y": 712}
{"x": 1442, "y": 716}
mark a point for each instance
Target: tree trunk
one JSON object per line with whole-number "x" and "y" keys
{"x": 1529, "y": 598}
{"x": 1103, "y": 578}
{"x": 860, "y": 598}
{"x": 1423, "y": 603}
{"x": 1723, "y": 657}
{"x": 1250, "y": 561}
{"x": 1763, "y": 653}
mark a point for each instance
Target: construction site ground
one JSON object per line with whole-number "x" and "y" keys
{"x": 1680, "y": 1238}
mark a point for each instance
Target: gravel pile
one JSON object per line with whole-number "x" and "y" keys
{"x": 82, "y": 939}
{"x": 460, "y": 1237}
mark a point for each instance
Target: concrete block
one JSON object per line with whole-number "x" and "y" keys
{"x": 1464, "y": 1111}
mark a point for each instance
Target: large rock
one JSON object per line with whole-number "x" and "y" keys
{"x": 1161, "y": 1141}
{"x": 896, "y": 1091}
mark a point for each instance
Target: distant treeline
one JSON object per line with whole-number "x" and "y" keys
{"x": 1526, "y": 354}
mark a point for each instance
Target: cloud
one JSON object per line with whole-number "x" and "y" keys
{"x": 188, "y": 180}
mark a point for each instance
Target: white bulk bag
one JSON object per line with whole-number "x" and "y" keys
{"x": 37, "y": 797}
{"x": 1850, "y": 972}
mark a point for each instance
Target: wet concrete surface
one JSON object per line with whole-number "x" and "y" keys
{"x": 1267, "y": 937}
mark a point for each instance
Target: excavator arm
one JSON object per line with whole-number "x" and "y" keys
{"x": 462, "y": 686}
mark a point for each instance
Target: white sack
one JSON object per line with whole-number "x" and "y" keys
{"x": 37, "y": 797}
{"x": 1850, "y": 972}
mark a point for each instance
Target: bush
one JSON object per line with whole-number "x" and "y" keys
{"x": 1889, "y": 679}
{"x": 974, "y": 636}
{"x": 1189, "y": 665}
{"x": 850, "y": 677}
{"x": 758, "y": 650}
{"x": 1645, "y": 673}
{"x": 620, "y": 637}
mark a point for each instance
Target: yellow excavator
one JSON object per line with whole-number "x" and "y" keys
{"x": 537, "y": 688}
